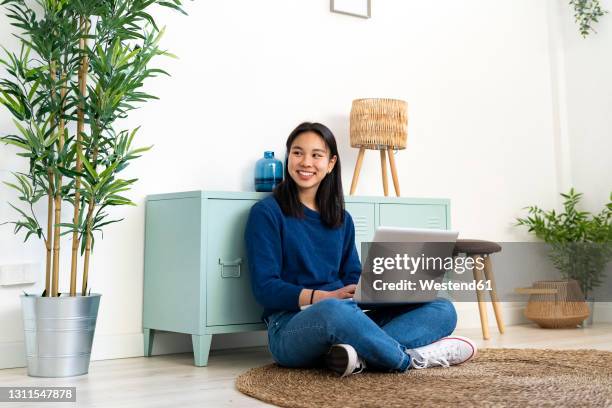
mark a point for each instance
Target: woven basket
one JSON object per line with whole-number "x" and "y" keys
{"x": 555, "y": 304}
{"x": 379, "y": 123}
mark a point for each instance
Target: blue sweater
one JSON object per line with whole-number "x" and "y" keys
{"x": 288, "y": 254}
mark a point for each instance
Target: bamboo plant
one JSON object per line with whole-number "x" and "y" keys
{"x": 81, "y": 68}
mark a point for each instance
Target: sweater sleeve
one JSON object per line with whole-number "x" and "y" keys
{"x": 350, "y": 269}
{"x": 265, "y": 259}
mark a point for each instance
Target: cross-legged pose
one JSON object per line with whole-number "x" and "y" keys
{"x": 304, "y": 269}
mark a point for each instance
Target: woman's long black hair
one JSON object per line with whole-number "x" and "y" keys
{"x": 329, "y": 198}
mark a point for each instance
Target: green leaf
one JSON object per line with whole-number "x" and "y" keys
{"x": 18, "y": 144}
{"x": 52, "y": 139}
{"x": 13, "y": 186}
{"x": 33, "y": 90}
{"x": 88, "y": 165}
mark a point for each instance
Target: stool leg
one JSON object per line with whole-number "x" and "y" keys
{"x": 357, "y": 170}
{"x": 488, "y": 271}
{"x": 394, "y": 171}
{"x": 383, "y": 167}
{"x": 482, "y": 306}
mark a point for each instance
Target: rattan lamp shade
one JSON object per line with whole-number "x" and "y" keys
{"x": 379, "y": 123}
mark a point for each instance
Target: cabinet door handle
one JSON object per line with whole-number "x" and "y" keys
{"x": 235, "y": 263}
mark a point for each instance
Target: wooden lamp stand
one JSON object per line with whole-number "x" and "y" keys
{"x": 383, "y": 168}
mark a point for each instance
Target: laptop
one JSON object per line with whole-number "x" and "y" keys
{"x": 413, "y": 242}
{"x": 410, "y": 244}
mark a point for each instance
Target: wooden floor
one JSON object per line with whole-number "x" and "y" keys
{"x": 172, "y": 380}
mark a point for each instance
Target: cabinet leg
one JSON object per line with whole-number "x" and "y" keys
{"x": 149, "y": 334}
{"x": 201, "y": 348}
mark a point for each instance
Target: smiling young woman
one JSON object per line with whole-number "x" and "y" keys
{"x": 312, "y": 175}
{"x": 304, "y": 269}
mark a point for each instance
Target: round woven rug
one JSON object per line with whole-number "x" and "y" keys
{"x": 496, "y": 378}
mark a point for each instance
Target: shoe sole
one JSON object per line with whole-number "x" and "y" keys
{"x": 340, "y": 360}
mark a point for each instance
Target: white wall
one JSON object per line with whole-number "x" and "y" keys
{"x": 476, "y": 74}
{"x": 589, "y": 100}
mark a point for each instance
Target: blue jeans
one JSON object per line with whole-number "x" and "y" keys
{"x": 380, "y": 337}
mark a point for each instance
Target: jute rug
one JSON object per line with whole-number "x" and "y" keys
{"x": 495, "y": 378}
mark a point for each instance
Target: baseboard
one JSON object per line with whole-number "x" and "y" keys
{"x": 468, "y": 316}
{"x": 603, "y": 312}
{"x": 12, "y": 354}
{"x": 107, "y": 347}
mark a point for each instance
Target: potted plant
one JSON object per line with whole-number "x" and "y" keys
{"x": 580, "y": 242}
{"x": 81, "y": 67}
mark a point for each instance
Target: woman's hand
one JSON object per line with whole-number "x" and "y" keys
{"x": 346, "y": 292}
{"x": 343, "y": 293}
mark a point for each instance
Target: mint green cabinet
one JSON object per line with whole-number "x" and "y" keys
{"x": 196, "y": 277}
{"x": 414, "y": 216}
{"x": 229, "y": 299}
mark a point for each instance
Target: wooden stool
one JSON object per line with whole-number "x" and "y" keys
{"x": 475, "y": 249}
{"x": 383, "y": 167}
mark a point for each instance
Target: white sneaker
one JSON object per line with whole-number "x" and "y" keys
{"x": 445, "y": 352}
{"x": 343, "y": 359}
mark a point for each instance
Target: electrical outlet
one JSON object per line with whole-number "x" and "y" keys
{"x": 19, "y": 274}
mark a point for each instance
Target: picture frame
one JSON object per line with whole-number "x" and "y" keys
{"x": 355, "y": 8}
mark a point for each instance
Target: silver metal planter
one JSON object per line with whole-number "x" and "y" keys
{"x": 59, "y": 333}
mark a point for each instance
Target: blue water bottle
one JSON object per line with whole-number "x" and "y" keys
{"x": 268, "y": 172}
